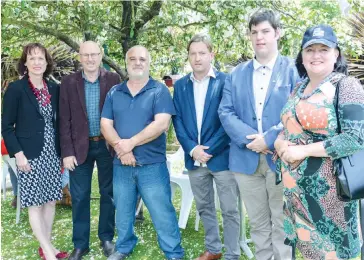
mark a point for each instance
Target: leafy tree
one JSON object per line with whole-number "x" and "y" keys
{"x": 163, "y": 27}
{"x": 113, "y": 23}
{"x": 356, "y": 21}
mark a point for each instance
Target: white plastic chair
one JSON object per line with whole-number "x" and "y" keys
{"x": 5, "y": 173}
{"x": 181, "y": 180}
{"x": 11, "y": 162}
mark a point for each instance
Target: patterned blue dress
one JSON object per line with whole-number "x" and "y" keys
{"x": 43, "y": 183}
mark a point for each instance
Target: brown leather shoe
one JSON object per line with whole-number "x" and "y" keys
{"x": 208, "y": 256}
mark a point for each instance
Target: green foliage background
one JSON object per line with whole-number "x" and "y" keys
{"x": 166, "y": 27}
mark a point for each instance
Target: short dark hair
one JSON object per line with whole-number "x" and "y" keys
{"x": 263, "y": 15}
{"x": 28, "y": 49}
{"x": 200, "y": 37}
{"x": 340, "y": 64}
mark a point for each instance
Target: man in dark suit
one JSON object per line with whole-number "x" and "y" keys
{"x": 82, "y": 97}
{"x": 196, "y": 98}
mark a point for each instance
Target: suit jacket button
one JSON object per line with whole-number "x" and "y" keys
{"x": 254, "y": 118}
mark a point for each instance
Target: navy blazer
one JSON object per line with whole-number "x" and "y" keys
{"x": 237, "y": 111}
{"x": 212, "y": 132}
{"x": 22, "y": 123}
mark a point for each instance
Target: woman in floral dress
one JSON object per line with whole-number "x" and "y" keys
{"x": 316, "y": 221}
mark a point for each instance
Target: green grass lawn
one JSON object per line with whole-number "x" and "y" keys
{"x": 17, "y": 241}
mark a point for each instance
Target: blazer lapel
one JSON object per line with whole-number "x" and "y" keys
{"x": 51, "y": 90}
{"x": 103, "y": 90}
{"x": 211, "y": 90}
{"x": 273, "y": 78}
{"x": 249, "y": 79}
{"x": 81, "y": 92}
{"x": 191, "y": 101}
{"x": 30, "y": 93}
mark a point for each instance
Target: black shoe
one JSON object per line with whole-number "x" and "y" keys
{"x": 108, "y": 247}
{"x": 77, "y": 253}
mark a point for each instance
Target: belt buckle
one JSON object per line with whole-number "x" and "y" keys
{"x": 95, "y": 138}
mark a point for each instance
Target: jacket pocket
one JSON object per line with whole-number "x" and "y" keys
{"x": 23, "y": 134}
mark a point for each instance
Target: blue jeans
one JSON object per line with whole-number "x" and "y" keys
{"x": 153, "y": 184}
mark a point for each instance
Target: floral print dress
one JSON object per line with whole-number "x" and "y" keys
{"x": 316, "y": 221}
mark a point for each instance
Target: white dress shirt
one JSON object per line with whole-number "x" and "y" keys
{"x": 261, "y": 80}
{"x": 200, "y": 88}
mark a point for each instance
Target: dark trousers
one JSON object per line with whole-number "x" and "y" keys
{"x": 80, "y": 187}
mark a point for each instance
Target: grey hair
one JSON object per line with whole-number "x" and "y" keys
{"x": 96, "y": 43}
{"x": 127, "y": 53}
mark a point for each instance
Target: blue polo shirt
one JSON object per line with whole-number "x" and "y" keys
{"x": 132, "y": 114}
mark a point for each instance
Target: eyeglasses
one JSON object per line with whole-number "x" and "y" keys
{"x": 92, "y": 55}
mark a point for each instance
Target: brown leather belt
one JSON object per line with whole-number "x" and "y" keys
{"x": 96, "y": 138}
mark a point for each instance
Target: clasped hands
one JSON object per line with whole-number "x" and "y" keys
{"x": 123, "y": 149}
{"x": 258, "y": 144}
{"x": 289, "y": 152}
{"x": 200, "y": 155}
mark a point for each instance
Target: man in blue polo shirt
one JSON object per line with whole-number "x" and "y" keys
{"x": 134, "y": 119}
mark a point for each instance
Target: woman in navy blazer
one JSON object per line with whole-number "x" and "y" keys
{"x": 30, "y": 131}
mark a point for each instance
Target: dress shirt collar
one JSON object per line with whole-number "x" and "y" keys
{"x": 269, "y": 65}
{"x": 211, "y": 74}
{"x": 85, "y": 78}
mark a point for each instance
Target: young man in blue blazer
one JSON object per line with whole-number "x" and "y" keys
{"x": 196, "y": 98}
{"x": 254, "y": 94}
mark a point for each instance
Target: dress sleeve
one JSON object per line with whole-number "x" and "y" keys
{"x": 351, "y": 117}
{"x": 9, "y": 117}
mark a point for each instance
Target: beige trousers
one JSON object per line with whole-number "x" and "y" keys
{"x": 263, "y": 200}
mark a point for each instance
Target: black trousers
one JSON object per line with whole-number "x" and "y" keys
{"x": 80, "y": 187}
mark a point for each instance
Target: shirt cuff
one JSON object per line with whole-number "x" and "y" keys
{"x": 191, "y": 153}
{"x": 198, "y": 164}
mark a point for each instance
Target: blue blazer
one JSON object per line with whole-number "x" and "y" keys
{"x": 237, "y": 111}
{"x": 212, "y": 132}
